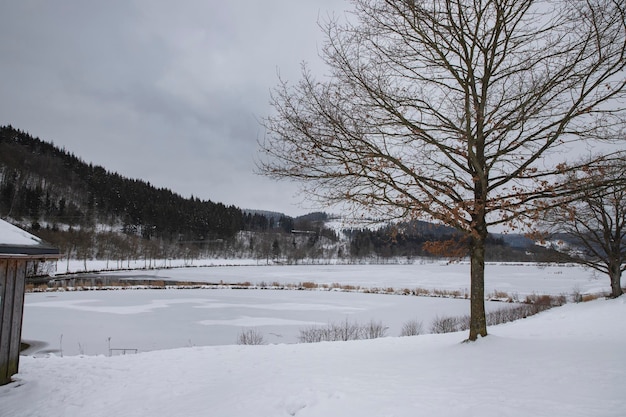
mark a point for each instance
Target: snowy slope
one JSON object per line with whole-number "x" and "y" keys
{"x": 564, "y": 362}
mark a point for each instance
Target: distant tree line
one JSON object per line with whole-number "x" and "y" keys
{"x": 91, "y": 213}
{"x": 417, "y": 239}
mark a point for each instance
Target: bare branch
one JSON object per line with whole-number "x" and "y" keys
{"x": 468, "y": 113}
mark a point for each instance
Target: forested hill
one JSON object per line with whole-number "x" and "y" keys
{"x": 42, "y": 184}
{"x": 88, "y": 212}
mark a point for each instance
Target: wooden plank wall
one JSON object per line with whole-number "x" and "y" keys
{"x": 11, "y": 313}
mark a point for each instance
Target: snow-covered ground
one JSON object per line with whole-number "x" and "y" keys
{"x": 563, "y": 362}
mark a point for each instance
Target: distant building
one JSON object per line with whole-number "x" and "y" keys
{"x": 17, "y": 249}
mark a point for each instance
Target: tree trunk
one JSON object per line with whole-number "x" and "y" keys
{"x": 478, "y": 322}
{"x": 478, "y": 237}
{"x": 615, "y": 274}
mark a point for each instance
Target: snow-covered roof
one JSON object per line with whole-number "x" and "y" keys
{"x": 15, "y": 241}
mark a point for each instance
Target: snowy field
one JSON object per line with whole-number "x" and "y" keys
{"x": 562, "y": 362}
{"x": 565, "y": 362}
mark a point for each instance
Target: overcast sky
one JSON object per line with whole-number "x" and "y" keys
{"x": 166, "y": 91}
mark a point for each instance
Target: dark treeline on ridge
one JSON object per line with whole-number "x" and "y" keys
{"x": 42, "y": 182}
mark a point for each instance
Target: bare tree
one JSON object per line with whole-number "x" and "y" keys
{"x": 455, "y": 111}
{"x": 594, "y": 223}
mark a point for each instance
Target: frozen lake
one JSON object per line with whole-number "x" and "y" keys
{"x": 91, "y": 322}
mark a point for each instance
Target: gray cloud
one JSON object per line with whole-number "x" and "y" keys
{"x": 170, "y": 92}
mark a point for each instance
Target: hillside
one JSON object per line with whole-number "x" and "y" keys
{"x": 89, "y": 212}
{"x": 47, "y": 185}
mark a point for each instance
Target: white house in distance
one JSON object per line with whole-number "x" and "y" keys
{"x": 17, "y": 249}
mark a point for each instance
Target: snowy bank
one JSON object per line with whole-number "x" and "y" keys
{"x": 563, "y": 362}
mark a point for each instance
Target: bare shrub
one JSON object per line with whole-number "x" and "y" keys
{"x": 500, "y": 295}
{"x": 309, "y": 285}
{"x": 545, "y": 300}
{"x": 463, "y": 322}
{"x": 250, "y": 337}
{"x": 499, "y": 316}
{"x": 589, "y": 297}
{"x": 374, "y": 330}
{"x": 412, "y": 328}
{"x": 421, "y": 291}
{"x": 346, "y": 331}
{"x": 438, "y": 292}
{"x": 343, "y": 331}
{"x": 445, "y": 324}
{"x": 521, "y": 311}
{"x": 508, "y": 314}
{"x": 559, "y": 300}
{"x": 534, "y": 304}
{"x": 311, "y": 335}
